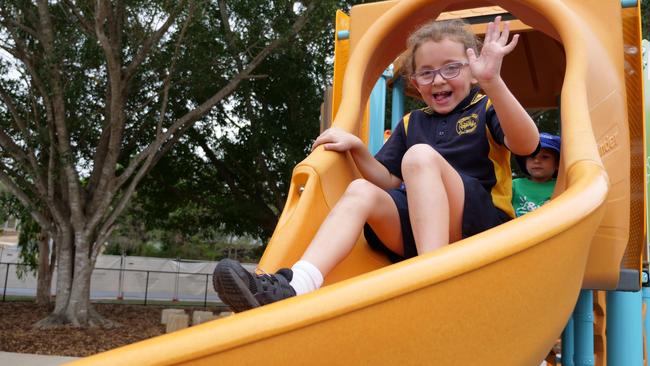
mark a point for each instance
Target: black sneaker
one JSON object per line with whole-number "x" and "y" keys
{"x": 242, "y": 290}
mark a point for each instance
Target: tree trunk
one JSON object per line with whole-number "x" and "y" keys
{"x": 45, "y": 266}
{"x": 72, "y": 305}
{"x": 80, "y": 312}
{"x": 64, "y": 270}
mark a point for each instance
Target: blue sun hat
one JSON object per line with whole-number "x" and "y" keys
{"x": 549, "y": 141}
{"x": 546, "y": 141}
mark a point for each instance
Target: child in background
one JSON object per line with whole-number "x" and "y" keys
{"x": 531, "y": 192}
{"x": 453, "y": 158}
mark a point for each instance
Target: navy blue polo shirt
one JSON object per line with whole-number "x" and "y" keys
{"x": 470, "y": 138}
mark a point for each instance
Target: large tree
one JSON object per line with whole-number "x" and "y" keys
{"x": 93, "y": 94}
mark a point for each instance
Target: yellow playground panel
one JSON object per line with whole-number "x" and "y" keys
{"x": 500, "y": 297}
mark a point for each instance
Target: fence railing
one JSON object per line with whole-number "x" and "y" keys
{"x": 122, "y": 284}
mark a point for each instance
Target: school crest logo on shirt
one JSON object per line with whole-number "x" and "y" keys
{"x": 467, "y": 124}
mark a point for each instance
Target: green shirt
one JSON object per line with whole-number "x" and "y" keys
{"x": 528, "y": 195}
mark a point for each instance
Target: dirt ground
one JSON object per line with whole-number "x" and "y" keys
{"x": 138, "y": 322}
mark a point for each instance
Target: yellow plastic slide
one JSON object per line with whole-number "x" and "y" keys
{"x": 500, "y": 297}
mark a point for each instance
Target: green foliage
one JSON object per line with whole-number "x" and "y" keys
{"x": 29, "y": 232}
{"x": 28, "y": 241}
{"x": 169, "y": 244}
{"x": 547, "y": 120}
{"x": 645, "y": 19}
{"x": 231, "y": 175}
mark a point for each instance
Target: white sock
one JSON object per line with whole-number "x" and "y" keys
{"x": 306, "y": 277}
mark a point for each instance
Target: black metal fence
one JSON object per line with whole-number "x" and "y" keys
{"x": 123, "y": 284}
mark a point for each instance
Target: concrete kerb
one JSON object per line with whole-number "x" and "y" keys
{"x": 199, "y": 317}
{"x": 26, "y": 359}
{"x": 167, "y": 312}
{"x": 177, "y": 321}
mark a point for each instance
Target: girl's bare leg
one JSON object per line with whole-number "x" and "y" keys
{"x": 362, "y": 202}
{"x": 435, "y": 197}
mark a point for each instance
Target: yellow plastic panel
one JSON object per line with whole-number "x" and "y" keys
{"x": 483, "y": 300}
{"x": 322, "y": 177}
{"x": 362, "y": 17}
{"x": 341, "y": 56}
{"x": 633, "y": 258}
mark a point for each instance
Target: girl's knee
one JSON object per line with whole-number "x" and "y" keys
{"x": 362, "y": 193}
{"x": 360, "y": 187}
{"x": 419, "y": 156}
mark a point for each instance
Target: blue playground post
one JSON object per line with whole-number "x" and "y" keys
{"x": 567, "y": 344}
{"x": 583, "y": 317}
{"x": 624, "y": 328}
{"x": 397, "y": 105}
{"x": 377, "y": 113}
{"x": 645, "y": 52}
{"x": 646, "y": 320}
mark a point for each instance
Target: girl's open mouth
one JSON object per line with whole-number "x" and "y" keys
{"x": 441, "y": 96}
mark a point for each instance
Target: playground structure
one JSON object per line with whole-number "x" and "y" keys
{"x": 499, "y": 297}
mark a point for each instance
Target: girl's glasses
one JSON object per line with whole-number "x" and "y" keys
{"x": 448, "y": 71}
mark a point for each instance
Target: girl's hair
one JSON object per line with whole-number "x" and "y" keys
{"x": 456, "y": 30}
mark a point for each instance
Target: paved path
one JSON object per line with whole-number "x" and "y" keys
{"x": 24, "y": 359}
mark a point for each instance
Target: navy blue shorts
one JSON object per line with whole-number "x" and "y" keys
{"x": 479, "y": 214}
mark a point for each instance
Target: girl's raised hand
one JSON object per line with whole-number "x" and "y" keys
{"x": 487, "y": 66}
{"x": 336, "y": 139}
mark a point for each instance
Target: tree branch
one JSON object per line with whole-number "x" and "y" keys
{"x": 154, "y": 151}
{"x": 150, "y": 42}
{"x": 192, "y": 116}
{"x": 58, "y": 114}
{"x": 8, "y": 145}
{"x": 172, "y": 67}
{"x": 85, "y": 25}
{"x": 18, "y": 121}
{"x": 20, "y": 54}
{"x": 22, "y": 197}
{"x": 109, "y": 193}
{"x": 102, "y": 190}
{"x": 124, "y": 200}
{"x": 10, "y": 22}
{"x": 230, "y": 38}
